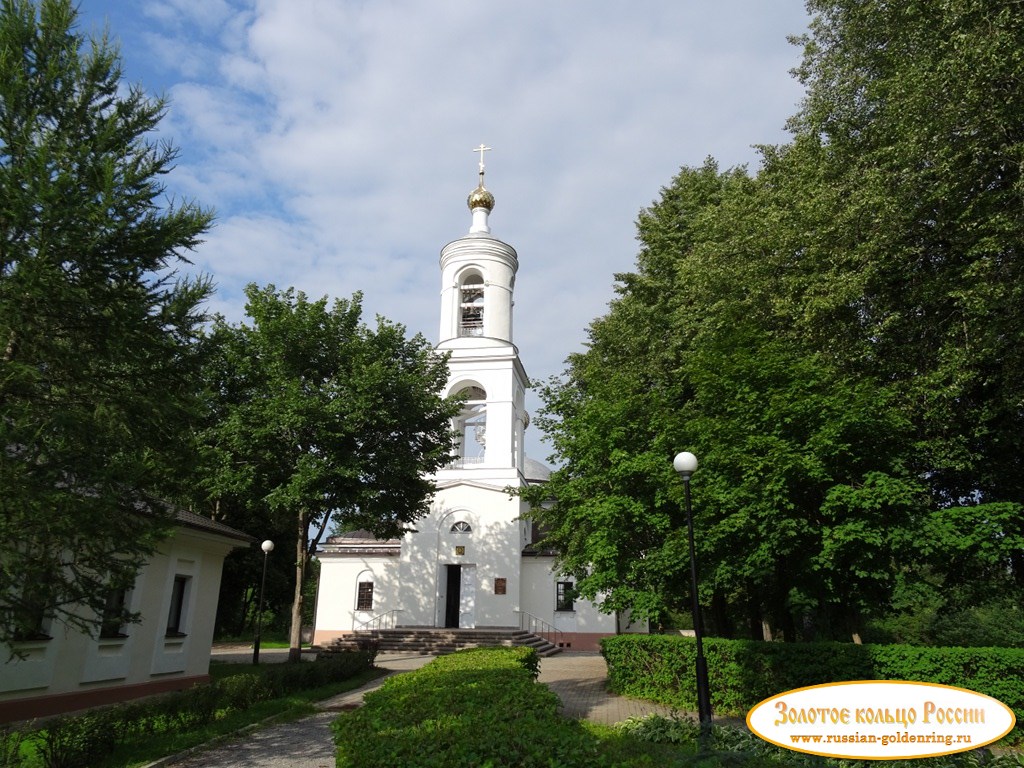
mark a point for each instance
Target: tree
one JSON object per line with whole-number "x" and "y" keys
{"x": 918, "y": 109}
{"x": 98, "y": 383}
{"x": 318, "y": 415}
{"x": 800, "y": 483}
{"x": 838, "y": 338}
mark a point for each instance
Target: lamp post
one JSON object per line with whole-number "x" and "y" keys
{"x": 685, "y": 464}
{"x": 267, "y": 547}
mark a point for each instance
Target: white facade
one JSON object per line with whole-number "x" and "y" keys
{"x": 179, "y": 585}
{"x": 469, "y": 563}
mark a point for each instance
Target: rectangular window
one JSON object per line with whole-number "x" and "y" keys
{"x": 364, "y": 600}
{"x": 28, "y": 616}
{"x": 179, "y": 607}
{"x": 565, "y": 596}
{"x": 112, "y": 623}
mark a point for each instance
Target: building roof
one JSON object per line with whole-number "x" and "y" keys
{"x": 358, "y": 537}
{"x": 535, "y": 471}
{"x": 360, "y": 542}
{"x": 192, "y": 520}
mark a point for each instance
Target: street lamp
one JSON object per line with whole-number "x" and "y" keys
{"x": 267, "y": 547}
{"x": 685, "y": 464}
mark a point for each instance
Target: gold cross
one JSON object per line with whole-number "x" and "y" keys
{"x": 481, "y": 149}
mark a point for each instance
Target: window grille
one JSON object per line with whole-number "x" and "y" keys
{"x": 565, "y": 597}
{"x": 471, "y": 305}
{"x": 364, "y": 599}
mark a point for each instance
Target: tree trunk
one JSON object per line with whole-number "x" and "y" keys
{"x": 720, "y": 613}
{"x": 856, "y": 624}
{"x": 787, "y": 625}
{"x": 295, "y": 635}
{"x": 758, "y": 626}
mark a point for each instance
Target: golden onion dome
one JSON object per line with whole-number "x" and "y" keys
{"x": 480, "y": 198}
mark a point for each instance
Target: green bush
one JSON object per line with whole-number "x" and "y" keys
{"x": 738, "y": 747}
{"x": 479, "y": 707}
{"x": 10, "y": 747}
{"x": 742, "y": 673}
{"x": 243, "y": 691}
{"x": 77, "y": 742}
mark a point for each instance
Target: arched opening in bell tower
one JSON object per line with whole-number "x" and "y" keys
{"x": 471, "y": 425}
{"x": 471, "y": 305}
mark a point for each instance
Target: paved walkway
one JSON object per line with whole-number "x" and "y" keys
{"x": 577, "y": 678}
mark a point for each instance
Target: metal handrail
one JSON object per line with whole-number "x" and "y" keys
{"x": 383, "y": 621}
{"x": 539, "y": 627}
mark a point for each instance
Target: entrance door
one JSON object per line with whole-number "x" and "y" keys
{"x": 452, "y": 596}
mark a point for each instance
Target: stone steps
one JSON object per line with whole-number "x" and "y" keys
{"x": 430, "y": 640}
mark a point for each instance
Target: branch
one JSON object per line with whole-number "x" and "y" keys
{"x": 315, "y": 541}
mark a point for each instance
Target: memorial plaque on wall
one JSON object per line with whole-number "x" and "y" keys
{"x": 499, "y": 586}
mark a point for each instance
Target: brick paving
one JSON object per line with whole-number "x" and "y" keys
{"x": 580, "y": 679}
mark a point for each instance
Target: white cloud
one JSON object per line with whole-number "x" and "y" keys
{"x": 335, "y": 138}
{"x": 187, "y": 13}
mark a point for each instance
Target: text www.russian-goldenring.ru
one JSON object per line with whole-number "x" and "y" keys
{"x": 884, "y": 739}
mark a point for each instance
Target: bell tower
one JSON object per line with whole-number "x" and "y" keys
{"x": 478, "y": 274}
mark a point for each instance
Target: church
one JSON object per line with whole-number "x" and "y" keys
{"x": 471, "y": 563}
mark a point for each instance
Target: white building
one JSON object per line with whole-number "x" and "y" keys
{"x": 470, "y": 563}
{"x": 63, "y": 670}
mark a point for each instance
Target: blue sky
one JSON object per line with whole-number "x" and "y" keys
{"x": 334, "y": 138}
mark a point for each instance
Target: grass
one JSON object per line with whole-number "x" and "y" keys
{"x": 622, "y": 749}
{"x": 264, "y": 642}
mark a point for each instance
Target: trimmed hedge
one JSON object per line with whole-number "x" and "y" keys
{"x": 479, "y": 707}
{"x": 738, "y": 748}
{"x": 742, "y": 673}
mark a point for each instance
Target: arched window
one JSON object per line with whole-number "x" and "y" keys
{"x": 471, "y": 306}
{"x": 462, "y": 527}
{"x": 364, "y": 591}
{"x": 471, "y": 425}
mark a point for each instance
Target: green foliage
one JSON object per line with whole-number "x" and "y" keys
{"x": 927, "y": 612}
{"x": 315, "y": 415}
{"x": 10, "y": 747}
{"x": 838, "y": 339}
{"x": 78, "y": 742}
{"x": 331, "y": 668}
{"x": 743, "y": 673}
{"x": 197, "y": 707}
{"x": 98, "y": 363}
{"x": 325, "y": 425}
